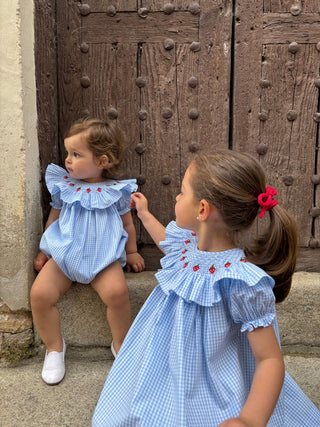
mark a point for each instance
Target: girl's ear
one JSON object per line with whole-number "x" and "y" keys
{"x": 204, "y": 210}
{"x": 104, "y": 162}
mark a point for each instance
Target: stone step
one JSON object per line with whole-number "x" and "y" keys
{"x": 83, "y": 315}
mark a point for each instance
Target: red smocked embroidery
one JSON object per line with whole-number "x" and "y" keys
{"x": 212, "y": 269}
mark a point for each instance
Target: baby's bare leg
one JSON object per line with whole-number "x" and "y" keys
{"x": 50, "y": 284}
{"x": 111, "y": 286}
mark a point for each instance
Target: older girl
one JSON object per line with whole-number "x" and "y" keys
{"x": 204, "y": 349}
{"x": 89, "y": 237}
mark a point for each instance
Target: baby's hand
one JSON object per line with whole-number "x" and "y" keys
{"x": 136, "y": 262}
{"x": 40, "y": 261}
{"x": 139, "y": 202}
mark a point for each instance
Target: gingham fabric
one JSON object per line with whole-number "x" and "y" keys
{"x": 186, "y": 360}
{"x": 88, "y": 235}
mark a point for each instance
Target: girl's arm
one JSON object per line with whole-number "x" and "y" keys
{"x": 150, "y": 223}
{"x": 267, "y": 381}
{"x": 41, "y": 258}
{"x": 134, "y": 259}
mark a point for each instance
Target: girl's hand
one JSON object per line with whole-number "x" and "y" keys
{"x": 40, "y": 261}
{"x": 234, "y": 422}
{"x": 139, "y": 202}
{"x": 135, "y": 262}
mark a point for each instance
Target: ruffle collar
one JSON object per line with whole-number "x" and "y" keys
{"x": 199, "y": 276}
{"x": 98, "y": 195}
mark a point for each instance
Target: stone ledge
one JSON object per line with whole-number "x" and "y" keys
{"x": 84, "y": 321}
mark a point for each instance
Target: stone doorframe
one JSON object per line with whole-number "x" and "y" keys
{"x": 20, "y": 189}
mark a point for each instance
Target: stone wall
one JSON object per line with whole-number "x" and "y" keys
{"x": 20, "y": 210}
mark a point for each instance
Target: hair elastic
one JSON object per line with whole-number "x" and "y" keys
{"x": 265, "y": 200}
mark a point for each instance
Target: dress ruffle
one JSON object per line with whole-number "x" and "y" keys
{"x": 89, "y": 195}
{"x": 196, "y": 276}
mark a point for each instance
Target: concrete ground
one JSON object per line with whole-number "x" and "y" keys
{"x": 26, "y": 401}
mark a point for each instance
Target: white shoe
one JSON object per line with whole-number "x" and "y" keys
{"x": 113, "y": 350}
{"x": 53, "y": 370}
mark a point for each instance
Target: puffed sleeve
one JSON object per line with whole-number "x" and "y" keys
{"x": 176, "y": 238}
{"x": 56, "y": 202}
{"x": 54, "y": 177}
{"x": 252, "y": 306}
{"x": 123, "y": 204}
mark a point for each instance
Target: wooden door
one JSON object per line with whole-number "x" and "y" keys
{"x": 181, "y": 76}
{"x": 276, "y": 104}
{"x": 162, "y": 70}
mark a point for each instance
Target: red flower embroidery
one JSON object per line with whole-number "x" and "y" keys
{"x": 193, "y": 234}
{"x": 184, "y": 251}
{"x": 212, "y": 269}
{"x": 65, "y": 177}
{"x": 187, "y": 241}
{"x": 88, "y": 190}
{"x": 183, "y": 258}
{"x": 185, "y": 264}
{"x": 196, "y": 267}
{"x": 244, "y": 259}
{"x": 71, "y": 185}
{"x": 99, "y": 189}
{"x": 79, "y": 188}
{"x": 227, "y": 264}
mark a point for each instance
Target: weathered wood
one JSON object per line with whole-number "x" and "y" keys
{"x": 100, "y": 65}
{"x": 159, "y": 5}
{"x": 246, "y": 76}
{"x": 187, "y": 99}
{"x": 160, "y": 132}
{"x": 215, "y": 32}
{"x": 111, "y": 5}
{"x": 283, "y": 28}
{"x": 289, "y": 161}
{"x": 182, "y": 27}
{"x": 294, "y": 6}
{"x": 308, "y": 260}
{"x": 128, "y": 107}
{"x": 69, "y": 67}
{"x": 177, "y": 77}
{"x": 46, "y": 81}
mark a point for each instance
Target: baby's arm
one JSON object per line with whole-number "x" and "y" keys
{"x": 267, "y": 380}
{"x": 150, "y": 223}
{"x": 41, "y": 258}
{"x": 134, "y": 259}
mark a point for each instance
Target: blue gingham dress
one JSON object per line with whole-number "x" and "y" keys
{"x": 186, "y": 361}
{"x": 88, "y": 235}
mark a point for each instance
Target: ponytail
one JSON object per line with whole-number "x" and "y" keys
{"x": 275, "y": 250}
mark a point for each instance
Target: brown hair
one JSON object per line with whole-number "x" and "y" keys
{"x": 104, "y": 138}
{"x": 232, "y": 181}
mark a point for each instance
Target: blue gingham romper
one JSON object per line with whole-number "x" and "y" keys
{"x": 186, "y": 361}
{"x": 88, "y": 235}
